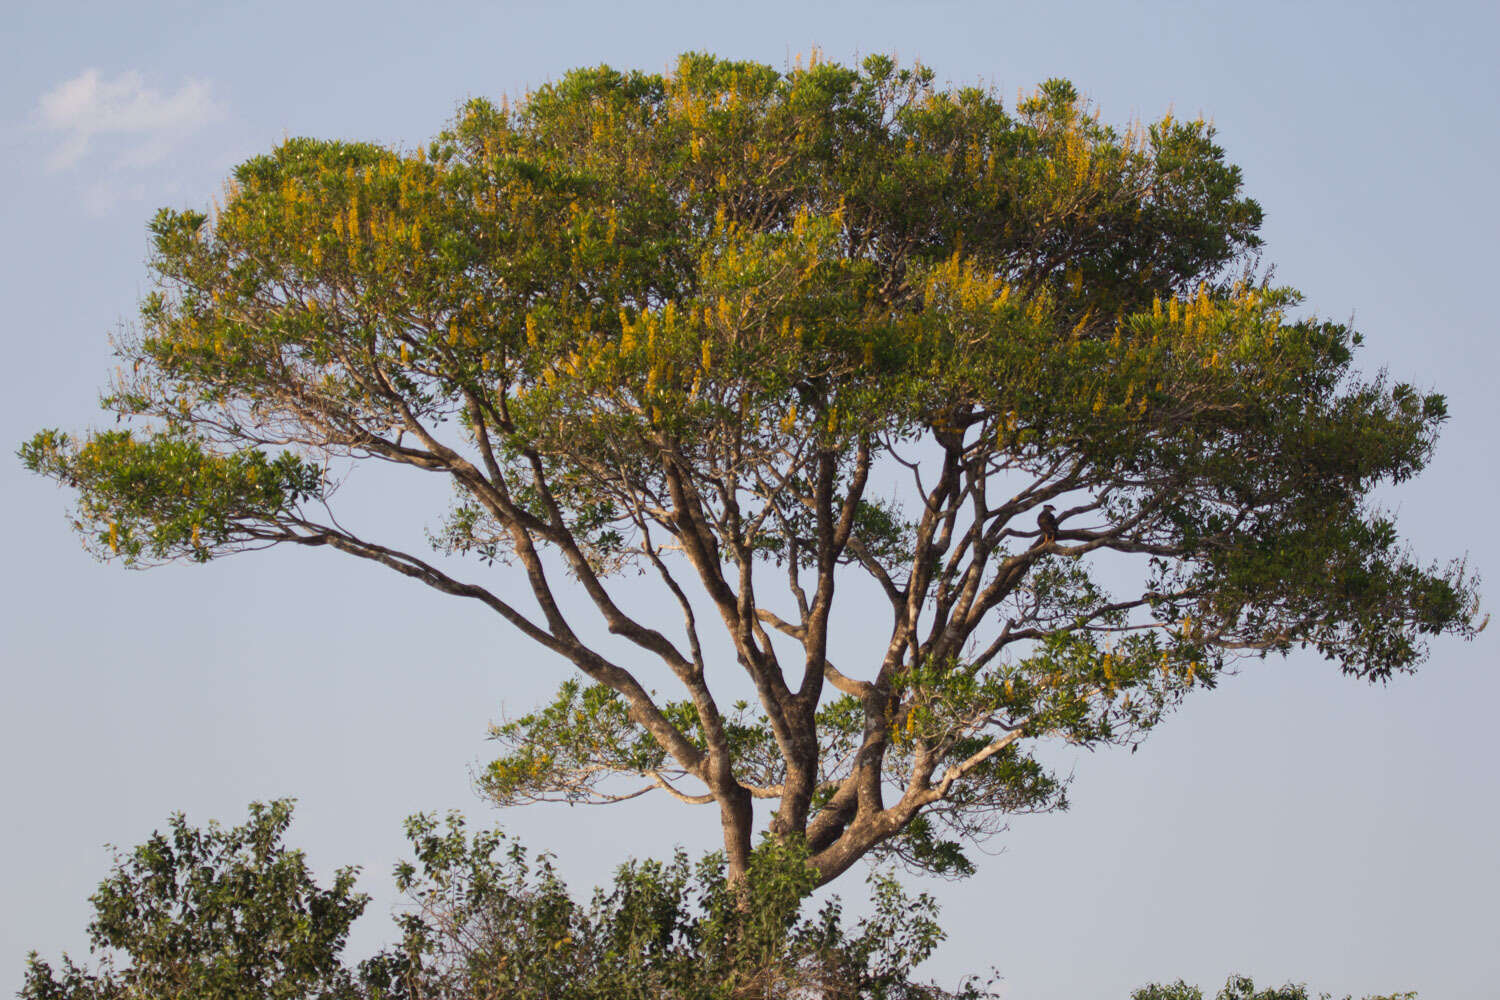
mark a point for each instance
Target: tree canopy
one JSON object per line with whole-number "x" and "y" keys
{"x": 750, "y": 336}
{"x": 1243, "y": 988}
{"x": 235, "y": 915}
{"x": 215, "y": 914}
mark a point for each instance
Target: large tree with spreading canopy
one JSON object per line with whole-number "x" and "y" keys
{"x": 749, "y": 336}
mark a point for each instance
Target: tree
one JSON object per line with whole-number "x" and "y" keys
{"x": 757, "y": 335}
{"x": 213, "y": 914}
{"x": 1242, "y": 988}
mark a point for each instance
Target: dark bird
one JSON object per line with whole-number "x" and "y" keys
{"x": 1047, "y": 521}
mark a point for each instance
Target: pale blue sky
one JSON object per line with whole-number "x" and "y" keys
{"x": 1292, "y": 824}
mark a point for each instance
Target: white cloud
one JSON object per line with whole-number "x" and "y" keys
{"x": 90, "y": 105}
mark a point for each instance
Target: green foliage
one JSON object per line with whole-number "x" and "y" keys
{"x": 168, "y": 496}
{"x": 213, "y": 914}
{"x": 569, "y": 749}
{"x": 1242, "y": 988}
{"x": 216, "y": 914}
{"x": 491, "y": 920}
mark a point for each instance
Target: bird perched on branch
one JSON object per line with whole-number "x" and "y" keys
{"x": 1047, "y": 521}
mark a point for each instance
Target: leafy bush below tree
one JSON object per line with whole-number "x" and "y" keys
{"x": 234, "y": 914}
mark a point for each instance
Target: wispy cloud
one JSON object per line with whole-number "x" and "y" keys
{"x": 90, "y": 105}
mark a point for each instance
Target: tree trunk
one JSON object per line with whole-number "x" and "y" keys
{"x": 737, "y": 817}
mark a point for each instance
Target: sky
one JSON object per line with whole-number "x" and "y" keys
{"x": 1291, "y": 825}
